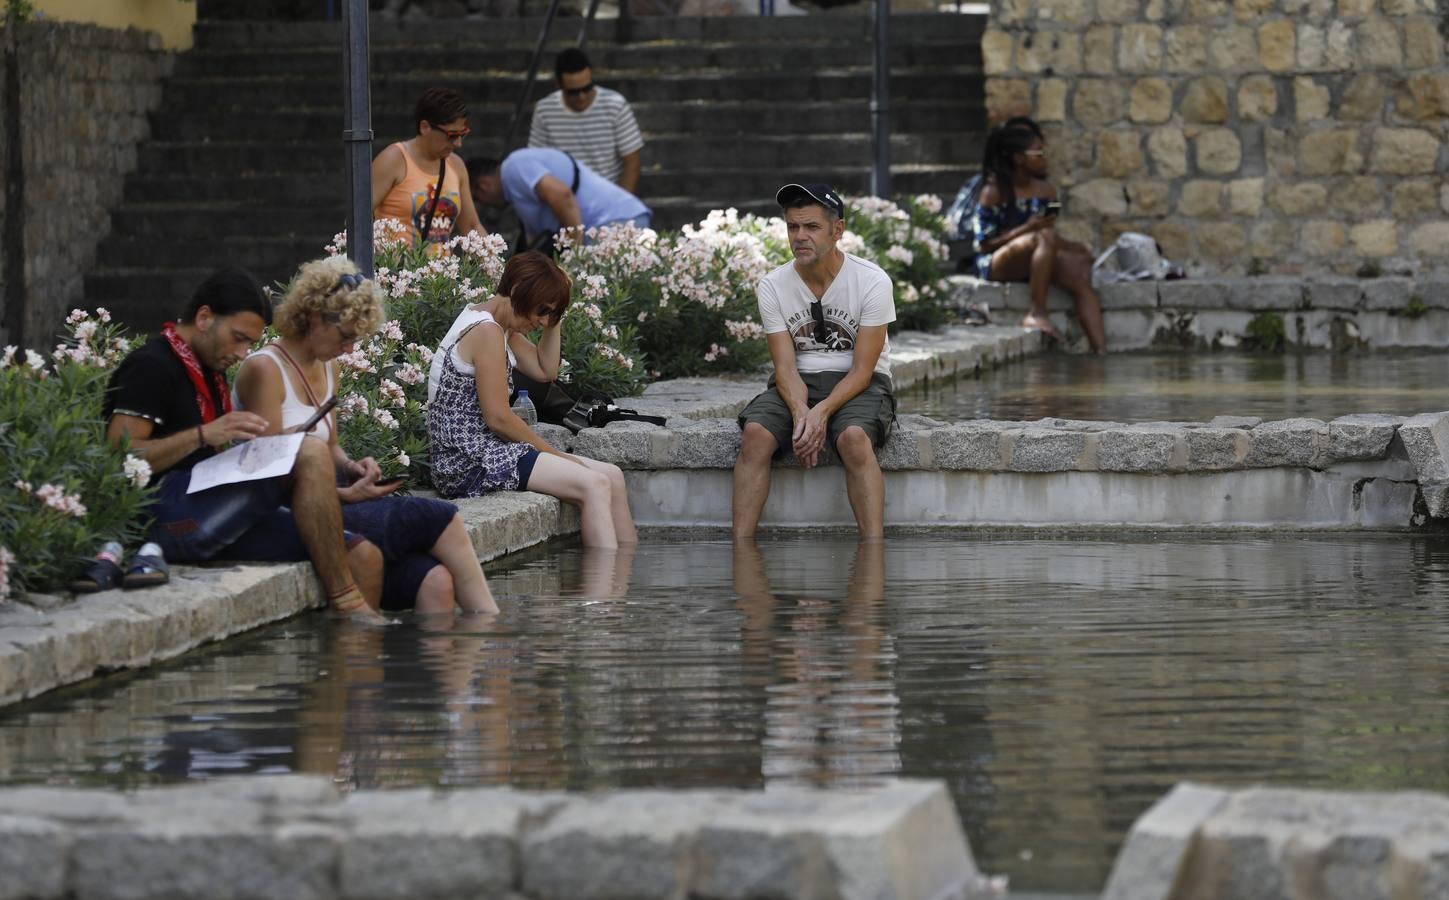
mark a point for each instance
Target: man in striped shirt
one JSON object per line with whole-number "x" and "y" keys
{"x": 592, "y": 124}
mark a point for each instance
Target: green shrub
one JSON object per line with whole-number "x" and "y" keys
{"x": 66, "y": 490}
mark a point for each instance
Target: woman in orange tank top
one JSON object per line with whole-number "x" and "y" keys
{"x": 405, "y": 175}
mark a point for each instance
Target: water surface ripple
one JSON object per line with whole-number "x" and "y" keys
{"x": 1058, "y": 686}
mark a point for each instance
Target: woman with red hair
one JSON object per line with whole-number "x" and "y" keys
{"x": 479, "y": 445}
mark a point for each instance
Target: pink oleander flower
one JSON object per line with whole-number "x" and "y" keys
{"x": 900, "y": 254}
{"x": 384, "y": 418}
{"x": 392, "y": 330}
{"x": 715, "y": 352}
{"x": 103, "y": 314}
{"x": 408, "y": 373}
{"x": 137, "y": 469}
{"x": 57, "y": 499}
{"x": 929, "y": 202}
{"x": 76, "y": 316}
{"x": 351, "y": 405}
{"x": 393, "y": 391}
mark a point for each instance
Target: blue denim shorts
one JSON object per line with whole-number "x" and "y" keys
{"x": 246, "y": 521}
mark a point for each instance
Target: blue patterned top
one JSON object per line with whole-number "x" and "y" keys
{"x": 989, "y": 221}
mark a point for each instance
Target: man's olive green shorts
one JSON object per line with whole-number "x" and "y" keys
{"x": 873, "y": 409}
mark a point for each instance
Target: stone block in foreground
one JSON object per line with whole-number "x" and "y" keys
{"x": 298, "y": 836}
{"x": 1200, "y": 842}
{"x": 1426, "y": 439}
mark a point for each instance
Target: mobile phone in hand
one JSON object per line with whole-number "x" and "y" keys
{"x": 1054, "y": 208}
{"x": 322, "y": 410}
{"x": 389, "y": 482}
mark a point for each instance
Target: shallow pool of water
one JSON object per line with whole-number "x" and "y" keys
{"x": 1058, "y": 687}
{"x": 1191, "y": 387}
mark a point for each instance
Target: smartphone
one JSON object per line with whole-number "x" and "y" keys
{"x": 389, "y": 482}
{"x": 322, "y": 410}
{"x": 1054, "y": 208}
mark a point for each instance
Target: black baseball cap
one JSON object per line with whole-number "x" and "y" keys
{"x": 818, "y": 191}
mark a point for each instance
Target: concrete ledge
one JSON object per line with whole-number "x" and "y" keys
{"x": 915, "y": 356}
{"x": 1318, "y": 312}
{"x": 48, "y": 642}
{"x": 1264, "y": 842}
{"x": 295, "y": 836}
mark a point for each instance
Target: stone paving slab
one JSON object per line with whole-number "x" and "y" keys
{"x": 915, "y": 356}
{"x": 41, "y": 649}
{"x": 299, "y": 836}
{"x": 1318, "y": 311}
{"x": 1201, "y": 842}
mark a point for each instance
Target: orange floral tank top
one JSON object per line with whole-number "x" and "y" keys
{"x": 409, "y": 199}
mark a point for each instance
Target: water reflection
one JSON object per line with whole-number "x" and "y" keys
{"x": 822, "y": 663}
{"x": 1191, "y": 387}
{"x": 1057, "y": 686}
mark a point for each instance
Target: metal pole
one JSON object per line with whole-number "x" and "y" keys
{"x": 588, "y": 20}
{"x": 357, "y": 134}
{"x": 880, "y": 102}
{"x": 16, "y": 295}
{"x": 532, "y": 74}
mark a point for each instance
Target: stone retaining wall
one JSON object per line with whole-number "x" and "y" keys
{"x": 300, "y": 837}
{"x": 85, "y": 95}
{"x": 1357, "y": 471}
{"x": 1200, "y": 842}
{"x": 1339, "y": 314}
{"x": 1245, "y": 135}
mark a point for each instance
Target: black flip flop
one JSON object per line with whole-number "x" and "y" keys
{"x": 100, "y": 575}
{"x": 146, "y": 570}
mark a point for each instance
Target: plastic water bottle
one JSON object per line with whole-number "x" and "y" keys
{"x": 523, "y": 408}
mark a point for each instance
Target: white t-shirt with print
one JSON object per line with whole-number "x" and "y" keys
{"x": 861, "y": 295}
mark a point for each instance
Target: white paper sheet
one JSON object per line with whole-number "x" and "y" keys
{"x": 263, "y": 457}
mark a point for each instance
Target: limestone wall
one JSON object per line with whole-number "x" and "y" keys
{"x": 1248, "y": 136}
{"x": 85, "y": 92}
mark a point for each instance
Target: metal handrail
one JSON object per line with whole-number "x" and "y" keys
{"x": 533, "y": 62}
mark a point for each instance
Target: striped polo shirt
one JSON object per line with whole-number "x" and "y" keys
{"x": 598, "y": 137}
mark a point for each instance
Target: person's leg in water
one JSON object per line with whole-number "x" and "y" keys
{"x": 1073, "y": 273}
{"x": 624, "y": 531}
{"x": 864, "y": 484}
{"x": 318, "y": 515}
{"x": 1030, "y": 258}
{"x": 467, "y": 585}
{"x": 588, "y": 488}
{"x": 752, "y": 478}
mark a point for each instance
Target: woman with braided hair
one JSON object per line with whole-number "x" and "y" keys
{"x": 1015, "y": 230}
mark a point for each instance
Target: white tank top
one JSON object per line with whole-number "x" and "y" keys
{"x": 295, "y": 409}
{"x": 466, "y": 319}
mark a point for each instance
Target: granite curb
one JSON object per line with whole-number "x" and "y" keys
{"x": 300, "y": 836}
{"x": 48, "y": 641}
{"x": 1201, "y": 841}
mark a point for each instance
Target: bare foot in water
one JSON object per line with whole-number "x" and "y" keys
{"x": 1042, "y": 324}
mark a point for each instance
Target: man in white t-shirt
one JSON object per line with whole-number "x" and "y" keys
{"x": 825, "y": 317}
{"x": 592, "y": 124}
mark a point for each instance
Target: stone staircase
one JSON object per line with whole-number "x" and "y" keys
{"x": 245, "y": 163}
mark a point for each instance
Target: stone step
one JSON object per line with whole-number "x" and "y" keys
{"x": 905, "y": 29}
{"x": 269, "y": 254}
{"x": 610, "y": 61}
{"x": 691, "y": 116}
{"x": 143, "y": 298}
{"x": 270, "y": 93}
{"x": 224, "y": 220}
{"x": 731, "y": 183}
{"x": 770, "y": 153}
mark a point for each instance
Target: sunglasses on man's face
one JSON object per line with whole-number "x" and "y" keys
{"x": 578, "y": 91}
{"x": 817, "y": 312}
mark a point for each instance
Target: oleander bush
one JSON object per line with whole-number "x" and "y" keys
{"x": 66, "y": 491}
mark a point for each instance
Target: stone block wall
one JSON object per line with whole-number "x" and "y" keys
{"x": 1248, "y": 136}
{"x": 85, "y": 92}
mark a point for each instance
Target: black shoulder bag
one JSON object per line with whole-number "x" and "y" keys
{"x": 425, "y": 224}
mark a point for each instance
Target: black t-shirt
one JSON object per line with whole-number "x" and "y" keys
{"x": 151, "y": 383}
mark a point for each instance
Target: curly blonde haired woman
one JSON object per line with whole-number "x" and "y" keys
{"x": 428, "y": 557}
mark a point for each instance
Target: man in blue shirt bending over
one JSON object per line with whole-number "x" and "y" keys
{"x": 551, "y": 191}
